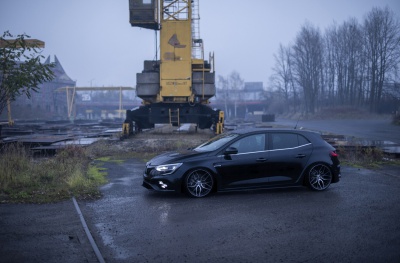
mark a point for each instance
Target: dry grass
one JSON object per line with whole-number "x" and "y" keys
{"x": 367, "y": 157}
{"x": 72, "y": 170}
{"x": 27, "y": 179}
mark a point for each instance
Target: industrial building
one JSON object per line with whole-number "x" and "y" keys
{"x": 47, "y": 103}
{"x": 241, "y": 103}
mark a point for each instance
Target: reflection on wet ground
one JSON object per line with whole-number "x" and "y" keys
{"x": 49, "y": 136}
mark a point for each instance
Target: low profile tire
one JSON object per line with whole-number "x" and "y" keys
{"x": 199, "y": 183}
{"x": 319, "y": 177}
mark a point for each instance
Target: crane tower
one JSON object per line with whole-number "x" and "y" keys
{"x": 176, "y": 87}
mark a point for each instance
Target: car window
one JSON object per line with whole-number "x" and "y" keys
{"x": 287, "y": 140}
{"x": 216, "y": 142}
{"x": 302, "y": 140}
{"x": 252, "y": 143}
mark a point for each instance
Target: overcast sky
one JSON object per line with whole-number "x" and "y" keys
{"x": 97, "y": 46}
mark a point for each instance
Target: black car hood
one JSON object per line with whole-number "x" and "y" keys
{"x": 174, "y": 157}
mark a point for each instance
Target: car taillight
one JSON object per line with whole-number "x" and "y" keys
{"x": 333, "y": 154}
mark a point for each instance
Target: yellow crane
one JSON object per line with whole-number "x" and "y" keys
{"x": 176, "y": 87}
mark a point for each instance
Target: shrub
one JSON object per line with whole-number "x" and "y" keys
{"x": 361, "y": 156}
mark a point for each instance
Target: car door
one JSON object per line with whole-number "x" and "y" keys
{"x": 246, "y": 168}
{"x": 288, "y": 156}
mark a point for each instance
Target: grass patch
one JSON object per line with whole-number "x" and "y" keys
{"x": 103, "y": 159}
{"x": 365, "y": 157}
{"x": 32, "y": 180}
{"x": 75, "y": 170}
{"x": 109, "y": 159}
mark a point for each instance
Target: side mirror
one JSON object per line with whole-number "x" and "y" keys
{"x": 231, "y": 150}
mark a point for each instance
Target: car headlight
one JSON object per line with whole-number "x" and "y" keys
{"x": 166, "y": 169}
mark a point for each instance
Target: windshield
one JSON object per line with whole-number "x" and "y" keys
{"x": 216, "y": 142}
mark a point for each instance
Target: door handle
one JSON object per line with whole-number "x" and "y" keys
{"x": 261, "y": 160}
{"x": 300, "y": 156}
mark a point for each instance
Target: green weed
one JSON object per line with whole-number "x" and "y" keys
{"x": 25, "y": 179}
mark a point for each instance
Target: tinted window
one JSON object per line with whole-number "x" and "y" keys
{"x": 252, "y": 143}
{"x": 286, "y": 140}
{"x": 216, "y": 142}
{"x": 302, "y": 140}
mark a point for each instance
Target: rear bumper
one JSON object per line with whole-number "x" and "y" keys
{"x": 336, "y": 174}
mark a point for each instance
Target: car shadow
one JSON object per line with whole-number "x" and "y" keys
{"x": 151, "y": 194}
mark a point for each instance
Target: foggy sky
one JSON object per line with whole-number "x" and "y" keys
{"x": 97, "y": 46}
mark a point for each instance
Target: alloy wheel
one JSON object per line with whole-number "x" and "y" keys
{"x": 199, "y": 183}
{"x": 319, "y": 177}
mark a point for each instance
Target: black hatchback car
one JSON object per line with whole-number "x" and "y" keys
{"x": 247, "y": 159}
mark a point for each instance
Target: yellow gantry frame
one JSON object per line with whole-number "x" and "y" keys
{"x": 71, "y": 96}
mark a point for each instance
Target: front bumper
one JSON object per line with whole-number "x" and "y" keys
{"x": 160, "y": 185}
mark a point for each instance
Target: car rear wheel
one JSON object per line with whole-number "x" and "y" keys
{"x": 199, "y": 183}
{"x": 319, "y": 177}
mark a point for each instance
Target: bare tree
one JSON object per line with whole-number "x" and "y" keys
{"x": 236, "y": 84}
{"x": 355, "y": 70}
{"x": 352, "y": 65}
{"x": 283, "y": 79}
{"x": 223, "y": 85}
{"x": 235, "y": 80}
{"x": 308, "y": 61}
{"x": 382, "y": 38}
{"x": 330, "y": 65}
{"x": 343, "y": 62}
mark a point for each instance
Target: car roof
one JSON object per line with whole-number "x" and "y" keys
{"x": 251, "y": 130}
{"x": 313, "y": 136}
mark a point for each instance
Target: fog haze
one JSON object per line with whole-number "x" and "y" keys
{"x": 97, "y": 46}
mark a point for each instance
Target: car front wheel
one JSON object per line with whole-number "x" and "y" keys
{"x": 319, "y": 177}
{"x": 199, "y": 183}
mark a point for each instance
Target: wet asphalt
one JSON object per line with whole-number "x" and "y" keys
{"x": 355, "y": 220}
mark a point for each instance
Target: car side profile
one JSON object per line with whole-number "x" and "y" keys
{"x": 247, "y": 159}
